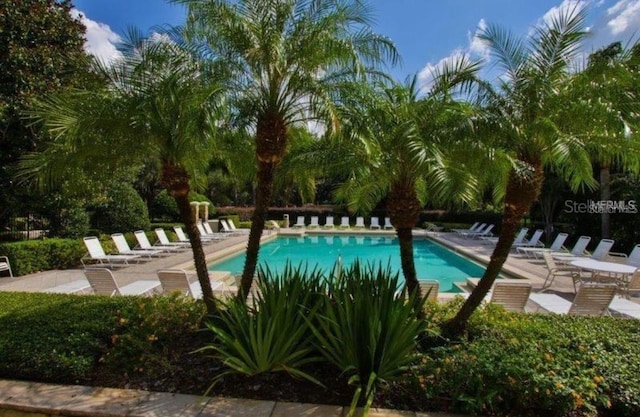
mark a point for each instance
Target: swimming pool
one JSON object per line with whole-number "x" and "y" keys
{"x": 432, "y": 260}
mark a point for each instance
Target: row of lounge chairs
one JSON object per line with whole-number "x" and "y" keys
{"x": 590, "y": 300}
{"x": 144, "y": 250}
{"x": 374, "y": 223}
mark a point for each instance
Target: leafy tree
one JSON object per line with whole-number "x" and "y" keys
{"x": 159, "y": 105}
{"x": 40, "y": 52}
{"x": 287, "y": 59}
{"x": 522, "y": 119}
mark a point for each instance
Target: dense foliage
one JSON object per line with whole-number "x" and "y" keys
{"x": 40, "y": 52}
{"x": 31, "y": 256}
{"x": 122, "y": 211}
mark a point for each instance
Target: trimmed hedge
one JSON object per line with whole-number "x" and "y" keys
{"x": 31, "y": 256}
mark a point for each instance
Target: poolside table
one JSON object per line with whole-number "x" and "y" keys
{"x": 621, "y": 272}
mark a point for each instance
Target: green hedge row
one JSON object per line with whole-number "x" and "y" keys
{"x": 31, "y": 256}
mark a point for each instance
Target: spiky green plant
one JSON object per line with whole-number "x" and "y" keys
{"x": 369, "y": 329}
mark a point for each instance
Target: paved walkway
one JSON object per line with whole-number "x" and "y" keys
{"x": 21, "y": 399}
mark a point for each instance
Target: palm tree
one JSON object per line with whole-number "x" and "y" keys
{"x": 520, "y": 119}
{"x": 392, "y": 148}
{"x": 606, "y": 94}
{"x": 156, "y": 106}
{"x": 287, "y": 59}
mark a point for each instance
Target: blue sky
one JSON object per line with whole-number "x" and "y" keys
{"x": 426, "y": 32}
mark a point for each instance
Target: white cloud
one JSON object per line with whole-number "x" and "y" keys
{"x": 100, "y": 39}
{"x": 478, "y": 47}
{"x": 427, "y": 73}
{"x": 624, "y": 16}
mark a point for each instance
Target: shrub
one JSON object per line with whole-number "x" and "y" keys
{"x": 369, "y": 330}
{"x": 164, "y": 207}
{"x": 123, "y": 211}
{"x": 40, "y": 255}
{"x": 149, "y": 332}
{"x": 53, "y": 337}
{"x": 273, "y": 334}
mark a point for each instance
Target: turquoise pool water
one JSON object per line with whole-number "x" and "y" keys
{"x": 432, "y": 260}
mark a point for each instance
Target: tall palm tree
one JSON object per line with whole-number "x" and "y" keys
{"x": 393, "y": 147}
{"x": 157, "y": 105}
{"x": 520, "y": 119}
{"x": 287, "y": 59}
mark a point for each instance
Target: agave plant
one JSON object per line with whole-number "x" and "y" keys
{"x": 370, "y": 329}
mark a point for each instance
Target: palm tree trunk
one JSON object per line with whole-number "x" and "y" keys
{"x": 605, "y": 195}
{"x": 263, "y": 197}
{"x": 405, "y": 238}
{"x": 198, "y": 252}
{"x": 403, "y": 209}
{"x": 175, "y": 180}
{"x": 520, "y": 196}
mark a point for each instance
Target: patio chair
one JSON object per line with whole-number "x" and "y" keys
{"x": 344, "y": 223}
{"x": 591, "y": 300}
{"x": 387, "y": 223}
{"x": 579, "y": 249}
{"x": 520, "y": 237}
{"x": 123, "y": 247}
{"x": 556, "y": 270}
{"x": 5, "y": 265}
{"x": 359, "y": 222}
{"x": 234, "y": 229}
{"x": 182, "y": 236}
{"x": 430, "y": 289}
{"x": 475, "y": 227}
{"x": 300, "y": 222}
{"x": 314, "y": 222}
{"x": 178, "y": 280}
{"x": 625, "y": 307}
{"x": 97, "y": 256}
{"x": 513, "y": 296}
{"x": 143, "y": 243}
{"x": 375, "y": 223}
{"x": 431, "y": 227}
{"x": 528, "y": 243}
{"x": 556, "y": 246}
{"x": 226, "y": 229}
{"x": 632, "y": 259}
{"x": 164, "y": 240}
{"x": 103, "y": 283}
{"x": 481, "y": 233}
{"x": 328, "y": 223}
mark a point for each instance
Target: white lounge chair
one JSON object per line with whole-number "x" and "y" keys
{"x": 328, "y": 223}
{"x": 103, "y": 283}
{"x": 556, "y": 246}
{"x": 225, "y": 227}
{"x": 359, "y": 222}
{"x": 556, "y": 270}
{"x": 344, "y": 223}
{"x": 600, "y": 252}
{"x": 591, "y": 300}
{"x": 300, "y": 222}
{"x": 234, "y": 229}
{"x": 97, "y": 256}
{"x": 481, "y": 233}
{"x": 520, "y": 237}
{"x": 579, "y": 249}
{"x": 182, "y": 236}
{"x": 5, "y": 265}
{"x": 513, "y": 296}
{"x": 435, "y": 229}
{"x": 123, "y": 247}
{"x": 633, "y": 259}
{"x": 178, "y": 280}
{"x": 474, "y": 228}
{"x": 375, "y": 223}
{"x": 314, "y": 222}
{"x": 143, "y": 243}
{"x": 533, "y": 242}
{"x": 164, "y": 240}
{"x": 387, "y": 223}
